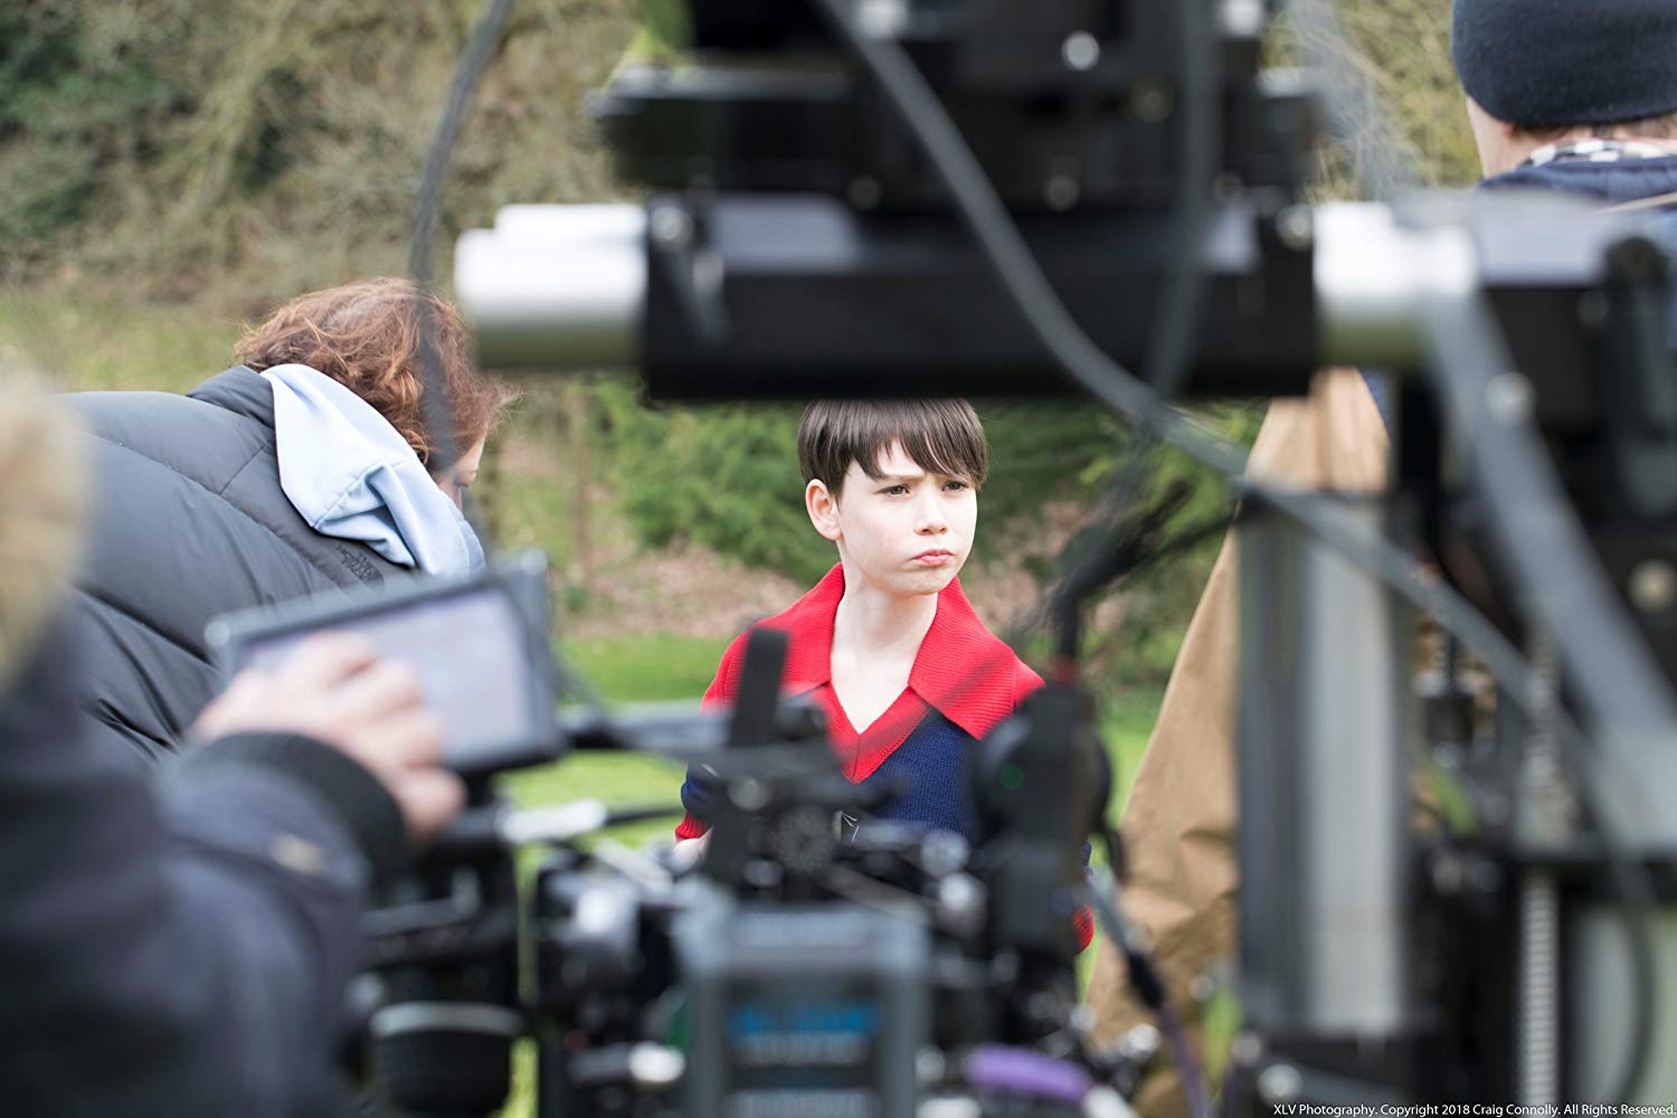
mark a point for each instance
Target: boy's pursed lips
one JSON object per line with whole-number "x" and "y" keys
{"x": 933, "y": 557}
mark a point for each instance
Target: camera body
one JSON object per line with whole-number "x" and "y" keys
{"x": 815, "y": 961}
{"x": 1069, "y": 105}
{"x": 693, "y": 1000}
{"x": 859, "y": 975}
{"x": 817, "y": 969}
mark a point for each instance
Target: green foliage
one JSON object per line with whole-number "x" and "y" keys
{"x": 666, "y": 26}
{"x": 723, "y": 477}
{"x": 98, "y": 343}
{"x": 257, "y": 148}
{"x": 727, "y": 477}
{"x": 1041, "y": 456}
{"x": 1402, "y": 48}
{"x": 73, "y": 113}
{"x": 1160, "y": 599}
{"x": 1138, "y": 642}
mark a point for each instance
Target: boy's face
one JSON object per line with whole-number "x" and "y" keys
{"x": 907, "y": 532}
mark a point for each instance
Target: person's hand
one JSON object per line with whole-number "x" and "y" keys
{"x": 335, "y": 689}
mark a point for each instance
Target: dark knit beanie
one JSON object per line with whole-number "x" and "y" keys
{"x": 1554, "y": 62}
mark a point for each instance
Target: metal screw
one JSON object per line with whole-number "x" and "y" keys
{"x": 671, "y": 228}
{"x": 951, "y": 1106}
{"x": 749, "y": 794}
{"x": 1280, "y": 1083}
{"x": 882, "y": 19}
{"x": 1494, "y": 808}
{"x": 865, "y": 192}
{"x": 1653, "y": 586}
{"x": 1296, "y": 228}
{"x": 1242, "y": 18}
{"x": 1592, "y": 310}
{"x": 1152, "y": 101}
{"x": 1143, "y": 1042}
{"x": 653, "y": 1065}
{"x": 1043, "y": 1007}
{"x": 1448, "y": 875}
{"x": 1081, "y": 50}
{"x": 1484, "y": 875}
{"x": 943, "y": 853}
{"x": 960, "y": 902}
{"x": 1061, "y": 193}
{"x": 1510, "y": 397}
{"x": 1202, "y": 988}
{"x": 1103, "y": 1102}
{"x": 1246, "y": 1049}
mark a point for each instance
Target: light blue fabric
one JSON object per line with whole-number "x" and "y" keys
{"x": 351, "y": 475}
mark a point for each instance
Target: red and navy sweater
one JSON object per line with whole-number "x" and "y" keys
{"x": 964, "y": 681}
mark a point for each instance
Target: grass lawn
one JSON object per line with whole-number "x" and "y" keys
{"x": 99, "y": 343}
{"x": 641, "y": 669}
{"x": 625, "y": 670}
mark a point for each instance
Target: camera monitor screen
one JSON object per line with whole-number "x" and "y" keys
{"x": 481, "y": 669}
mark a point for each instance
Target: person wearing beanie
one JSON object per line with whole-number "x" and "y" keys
{"x": 1532, "y": 68}
{"x": 1561, "y": 95}
{"x": 1564, "y": 96}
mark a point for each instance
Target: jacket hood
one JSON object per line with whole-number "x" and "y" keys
{"x": 1613, "y": 184}
{"x": 351, "y": 475}
{"x": 42, "y": 506}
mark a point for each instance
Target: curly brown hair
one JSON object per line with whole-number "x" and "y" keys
{"x": 366, "y": 336}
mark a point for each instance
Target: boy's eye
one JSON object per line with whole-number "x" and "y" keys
{"x": 894, "y": 490}
{"x": 956, "y": 484}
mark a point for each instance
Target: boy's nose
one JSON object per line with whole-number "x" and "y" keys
{"x": 932, "y": 520}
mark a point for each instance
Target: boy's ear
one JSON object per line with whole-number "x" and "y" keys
{"x": 822, "y": 507}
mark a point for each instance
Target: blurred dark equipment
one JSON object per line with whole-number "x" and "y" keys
{"x": 813, "y": 230}
{"x": 798, "y": 967}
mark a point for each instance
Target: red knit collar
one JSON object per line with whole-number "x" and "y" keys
{"x": 962, "y": 669}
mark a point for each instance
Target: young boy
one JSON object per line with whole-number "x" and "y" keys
{"x": 887, "y": 643}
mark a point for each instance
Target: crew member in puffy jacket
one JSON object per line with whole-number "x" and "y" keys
{"x": 305, "y": 467}
{"x": 181, "y": 945}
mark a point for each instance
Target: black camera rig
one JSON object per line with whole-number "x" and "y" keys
{"x": 885, "y": 197}
{"x": 797, "y": 969}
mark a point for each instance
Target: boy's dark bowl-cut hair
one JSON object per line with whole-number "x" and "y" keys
{"x": 941, "y": 436}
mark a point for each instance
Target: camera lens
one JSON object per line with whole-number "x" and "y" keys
{"x": 445, "y": 1057}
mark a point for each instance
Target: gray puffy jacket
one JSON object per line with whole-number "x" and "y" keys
{"x": 189, "y": 521}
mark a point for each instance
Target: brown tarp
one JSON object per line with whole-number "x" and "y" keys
{"x": 1179, "y": 823}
